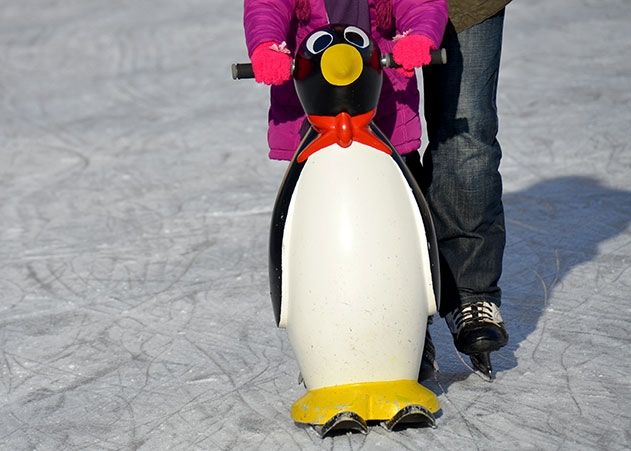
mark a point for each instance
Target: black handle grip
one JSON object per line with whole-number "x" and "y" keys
{"x": 244, "y": 70}
{"x": 438, "y": 56}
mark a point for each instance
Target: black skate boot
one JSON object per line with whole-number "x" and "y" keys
{"x": 428, "y": 362}
{"x": 478, "y": 330}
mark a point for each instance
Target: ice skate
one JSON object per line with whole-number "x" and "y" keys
{"x": 482, "y": 365}
{"x": 478, "y": 330}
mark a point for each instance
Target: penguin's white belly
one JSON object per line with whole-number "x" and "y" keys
{"x": 356, "y": 283}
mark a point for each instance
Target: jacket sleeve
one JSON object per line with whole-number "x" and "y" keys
{"x": 423, "y": 17}
{"x": 266, "y": 20}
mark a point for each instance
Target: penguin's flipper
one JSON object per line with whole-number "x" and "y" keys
{"x": 412, "y": 415}
{"x": 343, "y": 422}
{"x": 277, "y": 228}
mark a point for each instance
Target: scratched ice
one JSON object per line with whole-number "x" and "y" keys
{"x": 135, "y": 195}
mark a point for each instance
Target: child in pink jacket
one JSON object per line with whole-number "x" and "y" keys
{"x": 408, "y": 29}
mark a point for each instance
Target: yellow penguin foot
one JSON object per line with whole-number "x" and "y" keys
{"x": 396, "y": 402}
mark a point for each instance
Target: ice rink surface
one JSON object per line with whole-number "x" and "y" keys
{"x": 135, "y": 198}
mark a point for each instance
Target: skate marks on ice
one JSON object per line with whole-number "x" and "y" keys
{"x": 134, "y": 310}
{"x": 567, "y": 282}
{"x": 556, "y": 228}
{"x": 122, "y": 293}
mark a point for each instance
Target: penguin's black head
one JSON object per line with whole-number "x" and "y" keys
{"x": 338, "y": 69}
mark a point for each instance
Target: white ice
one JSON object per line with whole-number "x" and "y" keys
{"x": 135, "y": 197}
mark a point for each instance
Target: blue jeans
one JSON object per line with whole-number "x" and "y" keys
{"x": 459, "y": 174}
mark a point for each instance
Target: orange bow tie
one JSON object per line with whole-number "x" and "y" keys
{"x": 343, "y": 129}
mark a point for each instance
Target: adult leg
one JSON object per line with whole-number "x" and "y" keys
{"x": 462, "y": 182}
{"x": 460, "y": 167}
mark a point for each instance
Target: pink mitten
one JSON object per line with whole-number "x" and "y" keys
{"x": 410, "y": 51}
{"x": 271, "y": 63}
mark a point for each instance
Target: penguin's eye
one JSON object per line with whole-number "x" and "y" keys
{"x": 319, "y": 41}
{"x": 357, "y": 37}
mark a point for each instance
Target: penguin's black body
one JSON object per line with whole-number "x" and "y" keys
{"x": 353, "y": 255}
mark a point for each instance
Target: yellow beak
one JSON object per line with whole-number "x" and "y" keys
{"x": 341, "y": 64}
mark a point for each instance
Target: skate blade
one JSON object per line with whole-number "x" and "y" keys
{"x": 341, "y": 423}
{"x": 413, "y": 415}
{"x": 482, "y": 365}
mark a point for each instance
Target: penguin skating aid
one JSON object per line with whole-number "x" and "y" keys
{"x": 353, "y": 256}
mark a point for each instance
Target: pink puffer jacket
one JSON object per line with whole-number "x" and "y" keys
{"x": 398, "y": 110}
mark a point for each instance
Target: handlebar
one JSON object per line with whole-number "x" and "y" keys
{"x": 438, "y": 56}
{"x": 244, "y": 70}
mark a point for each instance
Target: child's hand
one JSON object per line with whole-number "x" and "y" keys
{"x": 271, "y": 63}
{"x": 410, "y": 51}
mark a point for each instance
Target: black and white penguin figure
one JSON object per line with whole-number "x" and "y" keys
{"x": 353, "y": 258}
